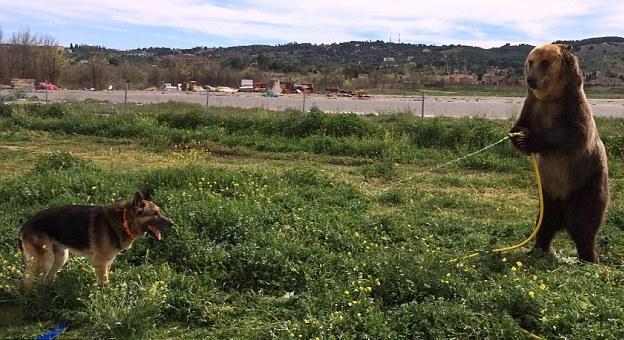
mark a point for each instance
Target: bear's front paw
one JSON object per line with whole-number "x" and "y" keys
{"x": 520, "y": 138}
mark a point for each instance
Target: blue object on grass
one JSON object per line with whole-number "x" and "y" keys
{"x": 54, "y": 332}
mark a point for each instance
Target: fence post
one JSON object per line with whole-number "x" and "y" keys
{"x": 422, "y": 107}
{"x": 46, "y": 90}
{"x": 126, "y": 95}
{"x": 207, "y": 96}
{"x": 303, "y": 111}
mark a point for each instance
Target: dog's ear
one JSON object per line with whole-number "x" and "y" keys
{"x": 138, "y": 202}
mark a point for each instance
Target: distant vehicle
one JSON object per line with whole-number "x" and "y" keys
{"x": 169, "y": 87}
{"x": 247, "y": 85}
{"x": 226, "y": 89}
{"x": 48, "y": 86}
{"x": 270, "y": 94}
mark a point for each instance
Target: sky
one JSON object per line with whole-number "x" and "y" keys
{"x": 131, "y": 24}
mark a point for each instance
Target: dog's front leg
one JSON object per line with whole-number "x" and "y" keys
{"x": 101, "y": 273}
{"x": 102, "y": 267}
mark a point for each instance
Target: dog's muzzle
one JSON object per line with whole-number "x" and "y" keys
{"x": 155, "y": 227}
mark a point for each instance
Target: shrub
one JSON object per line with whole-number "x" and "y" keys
{"x": 6, "y": 111}
{"x": 346, "y": 125}
{"x": 13, "y": 95}
{"x": 303, "y": 125}
{"x": 55, "y": 110}
{"x": 191, "y": 119}
{"x": 58, "y": 161}
{"x": 317, "y": 122}
{"x": 466, "y": 133}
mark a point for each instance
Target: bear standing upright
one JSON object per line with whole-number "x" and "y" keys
{"x": 556, "y": 123}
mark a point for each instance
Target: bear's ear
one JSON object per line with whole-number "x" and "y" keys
{"x": 568, "y": 57}
{"x": 572, "y": 71}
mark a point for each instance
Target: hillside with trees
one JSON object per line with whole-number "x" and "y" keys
{"x": 355, "y": 64}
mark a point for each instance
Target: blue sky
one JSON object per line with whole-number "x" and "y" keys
{"x": 189, "y": 23}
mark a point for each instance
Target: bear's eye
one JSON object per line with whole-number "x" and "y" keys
{"x": 544, "y": 63}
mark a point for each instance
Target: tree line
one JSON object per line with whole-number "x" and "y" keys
{"x": 39, "y": 57}
{"x": 26, "y": 55}
{"x": 348, "y": 65}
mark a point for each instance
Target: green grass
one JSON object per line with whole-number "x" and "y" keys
{"x": 300, "y": 226}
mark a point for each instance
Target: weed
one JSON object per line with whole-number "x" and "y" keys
{"x": 382, "y": 169}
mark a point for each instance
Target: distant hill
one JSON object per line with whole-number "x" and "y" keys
{"x": 360, "y": 56}
{"x": 604, "y": 54}
{"x": 347, "y": 65}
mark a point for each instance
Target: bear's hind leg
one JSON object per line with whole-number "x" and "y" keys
{"x": 584, "y": 214}
{"x": 551, "y": 223}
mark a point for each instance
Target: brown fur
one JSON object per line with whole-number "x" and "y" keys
{"x": 95, "y": 232}
{"x": 558, "y": 125}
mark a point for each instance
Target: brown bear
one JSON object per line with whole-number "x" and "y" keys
{"x": 556, "y": 123}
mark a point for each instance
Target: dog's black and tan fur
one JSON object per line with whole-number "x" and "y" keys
{"x": 556, "y": 123}
{"x": 96, "y": 232}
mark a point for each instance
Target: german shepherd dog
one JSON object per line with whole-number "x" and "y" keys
{"x": 96, "y": 232}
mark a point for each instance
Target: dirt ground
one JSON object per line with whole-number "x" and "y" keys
{"x": 475, "y": 106}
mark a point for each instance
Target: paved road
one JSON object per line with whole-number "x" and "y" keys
{"x": 474, "y": 106}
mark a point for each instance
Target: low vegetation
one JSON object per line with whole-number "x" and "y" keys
{"x": 291, "y": 225}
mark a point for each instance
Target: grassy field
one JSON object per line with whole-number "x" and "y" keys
{"x": 300, "y": 226}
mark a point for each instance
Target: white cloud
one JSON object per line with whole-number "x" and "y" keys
{"x": 614, "y": 18}
{"x": 441, "y": 21}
